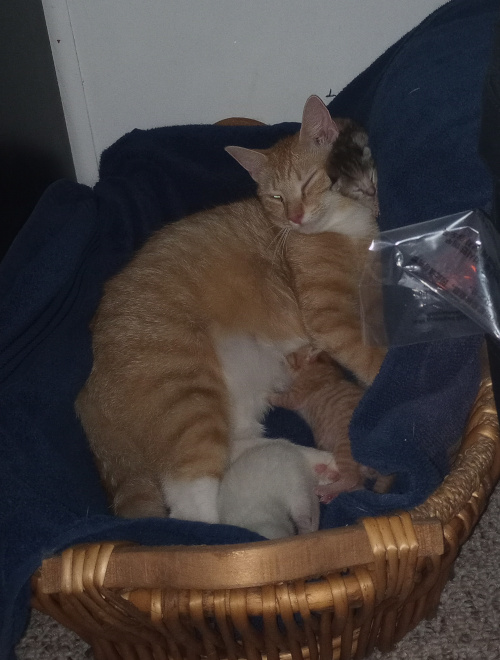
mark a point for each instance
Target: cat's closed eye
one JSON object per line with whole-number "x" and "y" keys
{"x": 279, "y": 198}
{"x": 358, "y": 190}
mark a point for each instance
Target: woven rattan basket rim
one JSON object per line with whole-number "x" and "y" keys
{"x": 241, "y": 565}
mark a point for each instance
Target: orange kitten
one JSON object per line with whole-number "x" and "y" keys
{"x": 326, "y": 400}
{"x": 190, "y": 338}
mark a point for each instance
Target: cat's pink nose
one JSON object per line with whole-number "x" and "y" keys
{"x": 296, "y": 218}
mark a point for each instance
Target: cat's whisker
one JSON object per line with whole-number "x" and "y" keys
{"x": 276, "y": 242}
{"x": 277, "y": 247}
{"x": 276, "y": 237}
{"x": 281, "y": 239}
{"x": 286, "y": 234}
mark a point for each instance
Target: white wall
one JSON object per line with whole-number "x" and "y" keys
{"x": 123, "y": 64}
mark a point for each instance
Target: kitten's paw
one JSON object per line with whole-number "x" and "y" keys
{"x": 327, "y": 474}
{"x": 328, "y": 492}
{"x": 302, "y": 357}
{"x": 321, "y": 463}
{"x": 284, "y": 400}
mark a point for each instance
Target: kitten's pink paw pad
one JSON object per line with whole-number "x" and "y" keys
{"x": 328, "y": 474}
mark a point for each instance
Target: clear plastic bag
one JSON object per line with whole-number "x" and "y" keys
{"x": 433, "y": 280}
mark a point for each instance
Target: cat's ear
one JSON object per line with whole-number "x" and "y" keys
{"x": 254, "y": 162}
{"x": 318, "y": 126}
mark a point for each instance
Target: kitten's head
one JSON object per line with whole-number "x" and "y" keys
{"x": 351, "y": 167}
{"x": 293, "y": 182}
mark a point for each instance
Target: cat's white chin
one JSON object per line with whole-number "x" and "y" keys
{"x": 352, "y": 219}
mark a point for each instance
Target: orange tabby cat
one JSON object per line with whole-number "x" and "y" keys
{"x": 326, "y": 400}
{"x": 190, "y": 338}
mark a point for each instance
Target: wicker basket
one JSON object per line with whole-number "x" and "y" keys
{"x": 332, "y": 594}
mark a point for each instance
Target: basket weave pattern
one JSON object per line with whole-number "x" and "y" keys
{"x": 332, "y": 594}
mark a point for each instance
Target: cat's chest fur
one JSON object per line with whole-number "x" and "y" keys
{"x": 252, "y": 369}
{"x": 255, "y": 321}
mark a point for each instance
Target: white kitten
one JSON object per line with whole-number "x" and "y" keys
{"x": 269, "y": 489}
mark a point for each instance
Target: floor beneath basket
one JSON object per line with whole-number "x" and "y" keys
{"x": 467, "y": 624}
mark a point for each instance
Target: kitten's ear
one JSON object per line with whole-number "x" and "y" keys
{"x": 317, "y": 124}
{"x": 253, "y": 161}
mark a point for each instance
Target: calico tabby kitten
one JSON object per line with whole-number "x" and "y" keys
{"x": 351, "y": 167}
{"x": 190, "y": 338}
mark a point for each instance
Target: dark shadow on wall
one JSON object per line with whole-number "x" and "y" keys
{"x": 34, "y": 145}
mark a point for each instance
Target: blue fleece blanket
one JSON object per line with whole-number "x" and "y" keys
{"x": 421, "y": 105}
